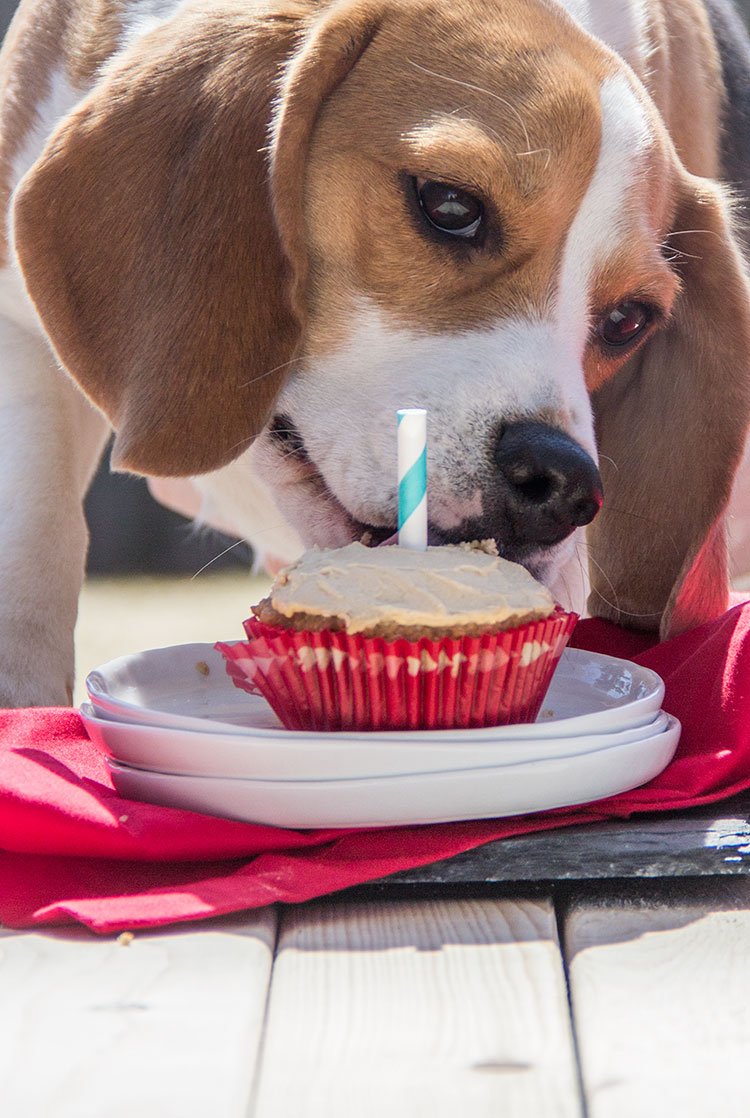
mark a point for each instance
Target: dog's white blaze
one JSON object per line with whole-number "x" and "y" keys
{"x": 602, "y": 215}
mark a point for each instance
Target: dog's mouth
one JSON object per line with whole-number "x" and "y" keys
{"x": 288, "y": 441}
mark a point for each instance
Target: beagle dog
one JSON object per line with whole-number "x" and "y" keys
{"x": 243, "y": 233}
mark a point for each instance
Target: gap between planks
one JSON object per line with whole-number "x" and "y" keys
{"x": 411, "y": 1008}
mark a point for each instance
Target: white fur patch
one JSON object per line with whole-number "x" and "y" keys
{"x": 600, "y": 221}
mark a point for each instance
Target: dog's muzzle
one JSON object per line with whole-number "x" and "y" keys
{"x": 540, "y": 487}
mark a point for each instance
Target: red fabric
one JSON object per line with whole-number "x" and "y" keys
{"x": 72, "y": 850}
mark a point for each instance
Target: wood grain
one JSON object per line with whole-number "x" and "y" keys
{"x": 166, "y": 1025}
{"x": 418, "y": 1010}
{"x": 660, "y": 988}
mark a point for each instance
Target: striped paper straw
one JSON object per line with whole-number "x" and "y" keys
{"x": 412, "y": 478}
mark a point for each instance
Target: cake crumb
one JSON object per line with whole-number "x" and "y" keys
{"x": 202, "y": 668}
{"x": 489, "y": 547}
{"x": 125, "y": 939}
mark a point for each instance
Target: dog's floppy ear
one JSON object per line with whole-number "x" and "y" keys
{"x": 671, "y": 426}
{"x": 167, "y": 279}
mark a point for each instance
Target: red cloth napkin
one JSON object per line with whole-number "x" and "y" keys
{"x": 72, "y": 850}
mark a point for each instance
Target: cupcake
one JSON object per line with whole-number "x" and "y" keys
{"x": 387, "y": 638}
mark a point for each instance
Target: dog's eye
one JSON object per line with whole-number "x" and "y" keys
{"x": 448, "y": 208}
{"x": 623, "y": 324}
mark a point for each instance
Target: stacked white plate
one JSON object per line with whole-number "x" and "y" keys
{"x": 177, "y": 732}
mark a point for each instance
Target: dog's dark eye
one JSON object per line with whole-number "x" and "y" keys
{"x": 623, "y": 324}
{"x": 448, "y": 208}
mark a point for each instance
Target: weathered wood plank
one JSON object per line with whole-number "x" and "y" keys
{"x": 660, "y": 988}
{"x": 168, "y": 1024}
{"x": 710, "y": 840}
{"x": 418, "y": 1010}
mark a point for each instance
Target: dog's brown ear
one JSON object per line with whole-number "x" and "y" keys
{"x": 671, "y": 427}
{"x": 149, "y": 238}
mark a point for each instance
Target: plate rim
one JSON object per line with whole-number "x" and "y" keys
{"x": 191, "y": 722}
{"x": 671, "y": 722}
{"x": 402, "y": 819}
{"x": 303, "y": 762}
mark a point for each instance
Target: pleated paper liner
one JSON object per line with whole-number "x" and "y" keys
{"x": 336, "y": 681}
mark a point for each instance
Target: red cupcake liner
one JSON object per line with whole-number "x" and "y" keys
{"x": 336, "y": 681}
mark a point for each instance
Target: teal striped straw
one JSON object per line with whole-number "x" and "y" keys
{"x": 412, "y": 478}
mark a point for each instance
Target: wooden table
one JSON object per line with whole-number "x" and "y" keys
{"x": 453, "y": 990}
{"x": 599, "y": 971}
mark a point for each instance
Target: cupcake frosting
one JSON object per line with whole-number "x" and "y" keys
{"x": 452, "y": 585}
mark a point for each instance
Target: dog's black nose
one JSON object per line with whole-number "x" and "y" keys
{"x": 550, "y": 484}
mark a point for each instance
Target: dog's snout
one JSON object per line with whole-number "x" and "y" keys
{"x": 551, "y": 485}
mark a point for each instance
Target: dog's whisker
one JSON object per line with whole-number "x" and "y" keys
{"x": 657, "y": 525}
{"x": 586, "y": 546}
{"x": 604, "y": 575}
{"x": 284, "y": 454}
{"x": 614, "y": 605}
{"x": 635, "y": 516}
{"x": 477, "y": 89}
{"x": 270, "y": 372}
{"x": 679, "y": 254}
{"x": 232, "y": 546}
{"x": 538, "y": 151}
{"x": 243, "y": 444}
{"x": 681, "y": 232}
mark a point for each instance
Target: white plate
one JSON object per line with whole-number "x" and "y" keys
{"x": 292, "y": 756}
{"x": 398, "y": 800}
{"x": 186, "y": 687}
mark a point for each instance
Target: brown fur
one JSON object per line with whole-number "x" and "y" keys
{"x": 183, "y": 248}
{"x": 671, "y": 427}
{"x": 683, "y": 76}
{"x": 147, "y": 240}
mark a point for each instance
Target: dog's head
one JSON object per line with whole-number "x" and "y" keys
{"x": 288, "y": 226}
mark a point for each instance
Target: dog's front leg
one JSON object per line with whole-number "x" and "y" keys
{"x": 50, "y": 441}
